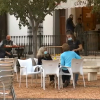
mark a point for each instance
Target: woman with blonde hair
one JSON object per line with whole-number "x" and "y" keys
{"x": 41, "y": 52}
{"x": 44, "y": 55}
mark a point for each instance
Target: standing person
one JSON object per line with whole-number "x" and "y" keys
{"x": 75, "y": 45}
{"x": 66, "y": 59}
{"x": 79, "y": 29}
{"x": 44, "y": 55}
{"x": 7, "y": 51}
{"x": 69, "y": 23}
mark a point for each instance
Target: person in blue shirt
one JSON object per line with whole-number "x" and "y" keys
{"x": 65, "y": 60}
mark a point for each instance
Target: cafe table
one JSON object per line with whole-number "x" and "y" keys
{"x": 19, "y": 49}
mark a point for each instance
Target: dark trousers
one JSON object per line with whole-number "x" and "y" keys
{"x": 76, "y": 77}
{"x": 51, "y": 77}
{"x": 2, "y": 54}
{"x": 65, "y": 77}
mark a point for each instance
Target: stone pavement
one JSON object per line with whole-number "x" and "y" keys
{"x": 91, "y": 91}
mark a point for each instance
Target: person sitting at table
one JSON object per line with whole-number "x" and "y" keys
{"x": 65, "y": 60}
{"x": 6, "y": 51}
{"x": 44, "y": 55}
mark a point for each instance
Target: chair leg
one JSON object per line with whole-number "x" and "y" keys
{"x": 41, "y": 80}
{"x": 31, "y": 79}
{"x": 36, "y": 79}
{"x": 84, "y": 81}
{"x": 73, "y": 80}
{"x": 61, "y": 81}
{"x": 58, "y": 84}
{"x": 16, "y": 68}
{"x": 26, "y": 82}
{"x": 3, "y": 90}
{"x": 17, "y": 76}
{"x": 20, "y": 81}
{"x": 55, "y": 81}
{"x": 13, "y": 93}
{"x": 44, "y": 83}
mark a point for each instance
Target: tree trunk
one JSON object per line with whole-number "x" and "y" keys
{"x": 34, "y": 32}
{"x": 34, "y": 42}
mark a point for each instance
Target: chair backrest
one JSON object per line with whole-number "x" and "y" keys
{"x": 36, "y": 60}
{"x": 50, "y": 66}
{"x": 77, "y": 66}
{"x": 6, "y": 76}
{"x": 25, "y": 65}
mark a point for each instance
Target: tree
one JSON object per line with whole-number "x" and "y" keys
{"x": 33, "y": 10}
{"x": 95, "y": 4}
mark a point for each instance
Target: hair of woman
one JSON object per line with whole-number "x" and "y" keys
{"x": 69, "y": 32}
{"x": 41, "y": 52}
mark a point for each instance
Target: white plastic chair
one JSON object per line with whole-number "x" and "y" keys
{"x": 76, "y": 67}
{"x": 26, "y": 69}
{"x": 50, "y": 67}
{"x": 39, "y": 67}
{"x": 36, "y": 61}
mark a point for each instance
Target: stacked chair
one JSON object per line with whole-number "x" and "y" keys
{"x": 6, "y": 77}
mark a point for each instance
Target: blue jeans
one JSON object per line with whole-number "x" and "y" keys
{"x": 76, "y": 77}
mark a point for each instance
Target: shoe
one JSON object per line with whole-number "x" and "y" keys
{"x": 67, "y": 82}
{"x": 65, "y": 85}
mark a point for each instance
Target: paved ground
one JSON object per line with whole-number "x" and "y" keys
{"x": 91, "y": 91}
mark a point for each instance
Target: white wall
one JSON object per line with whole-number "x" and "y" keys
{"x": 48, "y": 25}
{"x": 13, "y": 28}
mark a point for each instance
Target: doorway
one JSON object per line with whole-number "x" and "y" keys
{"x": 3, "y": 26}
{"x": 62, "y": 26}
{"x": 88, "y": 18}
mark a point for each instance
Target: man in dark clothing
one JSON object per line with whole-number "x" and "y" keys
{"x": 79, "y": 29}
{"x": 69, "y": 24}
{"x": 6, "y": 51}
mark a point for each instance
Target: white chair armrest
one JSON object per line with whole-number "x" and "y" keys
{"x": 36, "y": 68}
{"x": 22, "y": 67}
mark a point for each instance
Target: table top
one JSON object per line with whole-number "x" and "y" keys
{"x": 54, "y": 46}
{"x": 13, "y": 46}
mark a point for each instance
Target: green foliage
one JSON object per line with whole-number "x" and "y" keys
{"x": 35, "y": 10}
{"x": 95, "y": 4}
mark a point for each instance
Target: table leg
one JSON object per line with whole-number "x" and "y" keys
{"x": 54, "y": 52}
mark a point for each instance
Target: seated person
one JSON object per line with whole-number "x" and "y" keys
{"x": 66, "y": 58}
{"x": 44, "y": 55}
{"x": 6, "y": 51}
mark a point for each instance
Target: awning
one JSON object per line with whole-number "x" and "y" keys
{"x": 72, "y": 4}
